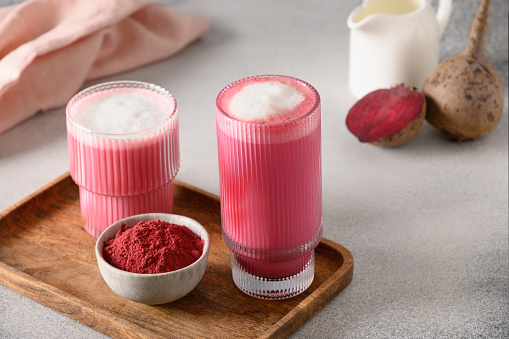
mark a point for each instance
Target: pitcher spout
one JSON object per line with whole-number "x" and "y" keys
{"x": 383, "y": 10}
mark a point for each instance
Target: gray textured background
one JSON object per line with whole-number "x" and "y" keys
{"x": 427, "y": 223}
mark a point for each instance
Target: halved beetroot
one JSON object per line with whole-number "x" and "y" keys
{"x": 388, "y": 117}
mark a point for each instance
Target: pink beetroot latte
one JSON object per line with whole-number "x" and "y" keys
{"x": 269, "y": 148}
{"x": 123, "y": 151}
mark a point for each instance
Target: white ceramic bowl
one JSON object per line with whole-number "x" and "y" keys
{"x": 159, "y": 288}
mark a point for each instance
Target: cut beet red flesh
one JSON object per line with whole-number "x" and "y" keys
{"x": 384, "y": 112}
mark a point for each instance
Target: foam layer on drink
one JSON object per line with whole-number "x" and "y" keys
{"x": 271, "y": 100}
{"x": 122, "y": 111}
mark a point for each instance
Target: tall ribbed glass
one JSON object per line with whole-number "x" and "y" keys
{"x": 123, "y": 174}
{"x": 271, "y": 197}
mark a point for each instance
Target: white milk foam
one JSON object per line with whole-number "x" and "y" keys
{"x": 260, "y": 100}
{"x": 121, "y": 112}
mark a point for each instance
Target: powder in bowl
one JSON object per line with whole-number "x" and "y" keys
{"x": 153, "y": 246}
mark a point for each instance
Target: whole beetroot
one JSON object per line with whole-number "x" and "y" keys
{"x": 464, "y": 94}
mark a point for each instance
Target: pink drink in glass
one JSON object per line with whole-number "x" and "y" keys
{"x": 123, "y": 151}
{"x": 270, "y": 184}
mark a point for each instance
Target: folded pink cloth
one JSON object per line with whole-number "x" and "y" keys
{"x": 48, "y": 48}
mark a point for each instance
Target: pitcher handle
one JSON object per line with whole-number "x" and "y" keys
{"x": 443, "y": 14}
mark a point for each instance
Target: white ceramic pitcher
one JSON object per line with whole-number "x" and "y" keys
{"x": 393, "y": 42}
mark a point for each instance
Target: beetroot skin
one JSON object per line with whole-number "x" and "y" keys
{"x": 387, "y": 117}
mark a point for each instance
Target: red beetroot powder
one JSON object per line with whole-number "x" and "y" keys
{"x": 153, "y": 247}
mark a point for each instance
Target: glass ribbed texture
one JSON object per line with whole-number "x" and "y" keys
{"x": 98, "y": 210}
{"x": 271, "y": 197}
{"x": 274, "y": 289}
{"x": 133, "y": 167}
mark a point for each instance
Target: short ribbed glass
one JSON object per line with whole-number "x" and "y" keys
{"x": 271, "y": 196}
{"x": 120, "y": 175}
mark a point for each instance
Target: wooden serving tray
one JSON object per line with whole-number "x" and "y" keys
{"x": 46, "y": 255}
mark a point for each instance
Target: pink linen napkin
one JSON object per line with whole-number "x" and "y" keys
{"x": 49, "y": 48}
